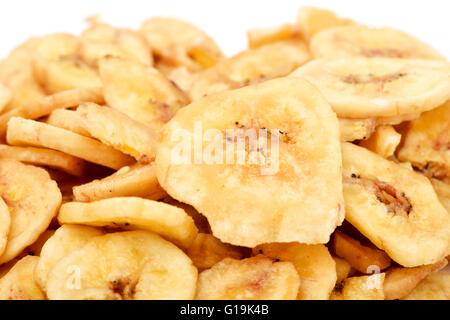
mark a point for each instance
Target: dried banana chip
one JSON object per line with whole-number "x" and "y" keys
{"x": 384, "y": 141}
{"x": 69, "y": 120}
{"x": 360, "y": 288}
{"x": 250, "y": 67}
{"x": 200, "y": 220}
{"x": 313, "y": 263}
{"x": 443, "y": 192}
{"x": 272, "y": 192}
{"x": 22, "y": 132}
{"x": 343, "y": 269}
{"x": 363, "y": 41}
{"x": 66, "y": 239}
{"x": 379, "y": 87}
{"x": 356, "y": 129}
{"x": 262, "y": 36}
{"x": 394, "y": 207}
{"x": 435, "y": 287}
{"x": 32, "y": 199}
{"x": 140, "y": 92}
{"x": 257, "y": 278}
{"x": 134, "y": 265}
{"x": 5, "y": 224}
{"x": 133, "y": 213}
{"x": 5, "y": 96}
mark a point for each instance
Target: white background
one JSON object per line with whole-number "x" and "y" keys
{"x": 226, "y": 20}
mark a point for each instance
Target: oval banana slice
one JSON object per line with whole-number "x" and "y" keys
{"x": 133, "y": 213}
{"x": 140, "y": 92}
{"x": 257, "y": 278}
{"x": 435, "y": 287}
{"x": 67, "y": 238}
{"x": 379, "y": 87}
{"x": 313, "y": 263}
{"x": 19, "y": 283}
{"x": 394, "y": 207}
{"x": 32, "y": 199}
{"x": 134, "y": 265}
{"x": 5, "y": 224}
{"x": 369, "y": 42}
{"x": 426, "y": 143}
{"x": 279, "y": 205}
{"x": 250, "y": 67}
{"x": 360, "y": 288}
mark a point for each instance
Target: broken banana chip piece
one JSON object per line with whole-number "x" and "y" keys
{"x": 394, "y": 207}
{"x": 137, "y": 180}
{"x": 65, "y": 240}
{"x": 257, "y": 278}
{"x": 360, "y": 288}
{"x": 133, "y": 213}
{"x": 32, "y": 199}
{"x": 435, "y": 287}
{"x": 379, "y": 87}
{"x": 136, "y": 265}
{"x": 265, "y": 177}
{"x": 369, "y": 42}
{"x": 141, "y": 92}
{"x": 384, "y": 141}
{"x": 426, "y": 143}
{"x": 22, "y": 132}
{"x": 250, "y": 67}
{"x": 313, "y": 263}
{"x": 356, "y": 129}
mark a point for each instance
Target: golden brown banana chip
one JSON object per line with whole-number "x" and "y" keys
{"x": 119, "y": 131}
{"x": 399, "y": 282}
{"x": 343, "y": 269}
{"x": 22, "y": 132}
{"x": 140, "y": 92}
{"x": 32, "y": 199}
{"x": 360, "y": 288}
{"x": 262, "y": 36}
{"x": 426, "y": 141}
{"x": 384, "y": 141}
{"x": 314, "y": 265}
{"x": 362, "y": 258}
{"x": 5, "y": 224}
{"x": 435, "y": 287}
{"x": 394, "y": 207}
{"x": 356, "y": 129}
{"x": 222, "y": 188}
{"x": 19, "y": 283}
{"x": 133, "y": 213}
{"x": 44, "y": 157}
{"x": 206, "y": 250}
{"x": 66, "y": 239}
{"x": 137, "y": 180}
{"x": 379, "y": 87}
{"x": 363, "y": 41}
{"x": 250, "y": 67}
{"x": 69, "y": 120}
{"x": 257, "y": 278}
{"x": 134, "y": 265}
{"x": 178, "y": 43}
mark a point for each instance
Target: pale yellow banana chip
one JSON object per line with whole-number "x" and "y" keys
{"x": 394, "y": 207}
{"x": 32, "y": 199}
{"x": 435, "y": 287}
{"x": 250, "y": 67}
{"x": 363, "y": 41}
{"x": 65, "y": 240}
{"x": 360, "y": 288}
{"x": 134, "y": 265}
{"x": 262, "y": 36}
{"x": 257, "y": 278}
{"x": 22, "y": 132}
{"x": 5, "y": 224}
{"x": 379, "y": 87}
{"x": 140, "y": 92}
{"x": 5, "y": 96}
{"x": 133, "y": 213}
{"x": 314, "y": 265}
{"x": 272, "y": 192}
{"x": 69, "y": 120}
{"x": 356, "y": 129}
{"x": 384, "y": 141}
{"x": 137, "y": 180}
{"x": 19, "y": 284}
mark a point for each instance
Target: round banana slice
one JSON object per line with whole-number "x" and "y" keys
{"x": 180, "y": 43}
{"x": 360, "y": 288}
{"x": 140, "y": 92}
{"x": 5, "y": 96}
{"x": 435, "y": 287}
{"x": 22, "y": 132}
{"x": 134, "y": 265}
{"x": 65, "y": 240}
{"x": 379, "y": 87}
{"x": 257, "y": 278}
{"x": 5, "y": 224}
{"x": 133, "y": 213}
{"x": 119, "y": 131}
{"x": 250, "y": 67}
{"x": 426, "y": 143}
{"x": 277, "y": 135}
{"x": 19, "y": 283}
{"x": 137, "y": 180}
{"x": 395, "y": 208}
{"x": 32, "y": 199}
{"x": 363, "y": 41}
{"x": 313, "y": 263}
